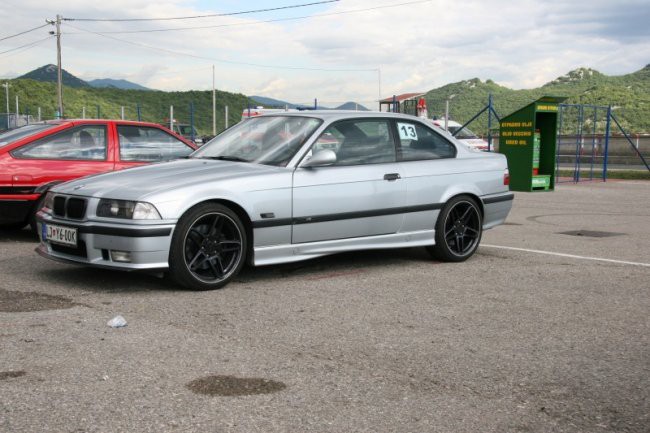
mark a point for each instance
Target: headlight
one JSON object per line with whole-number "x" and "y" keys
{"x": 136, "y": 210}
{"x": 48, "y": 203}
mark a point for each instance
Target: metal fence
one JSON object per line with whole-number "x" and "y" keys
{"x": 184, "y": 119}
{"x": 590, "y": 141}
{"x": 10, "y": 121}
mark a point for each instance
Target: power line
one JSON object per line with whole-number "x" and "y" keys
{"x": 31, "y": 44}
{"x": 202, "y": 16}
{"x": 26, "y": 31}
{"x": 171, "y": 29}
{"x": 257, "y": 65}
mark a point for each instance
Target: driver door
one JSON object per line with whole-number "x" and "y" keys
{"x": 362, "y": 194}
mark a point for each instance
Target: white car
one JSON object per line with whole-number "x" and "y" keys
{"x": 465, "y": 135}
{"x": 281, "y": 188}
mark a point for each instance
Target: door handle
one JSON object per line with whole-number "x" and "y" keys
{"x": 391, "y": 176}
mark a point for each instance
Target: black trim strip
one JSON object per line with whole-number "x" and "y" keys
{"x": 128, "y": 233}
{"x": 15, "y": 190}
{"x": 506, "y": 197}
{"x": 271, "y": 223}
{"x": 143, "y": 232}
{"x": 366, "y": 213}
{"x": 346, "y": 215}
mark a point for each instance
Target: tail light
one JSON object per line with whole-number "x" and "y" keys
{"x": 506, "y": 177}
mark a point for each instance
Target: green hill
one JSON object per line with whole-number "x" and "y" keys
{"x": 154, "y": 105}
{"x": 628, "y": 94}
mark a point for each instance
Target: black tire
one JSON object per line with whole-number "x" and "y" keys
{"x": 458, "y": 230}
{"x": 208, "y": 247}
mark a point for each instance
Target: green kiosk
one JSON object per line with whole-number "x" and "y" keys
{"x": 527, "y": 138}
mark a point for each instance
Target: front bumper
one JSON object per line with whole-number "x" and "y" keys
{"x": 147, "y": 243}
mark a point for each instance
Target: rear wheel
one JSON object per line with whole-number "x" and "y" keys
{"x": 208, "y": 247}
{"x": 458, "y": 230}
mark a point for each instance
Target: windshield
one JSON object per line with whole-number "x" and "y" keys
{"x": 22, "y": 132}
{"x": 464, "y": 134}
{"x": 270, "y": 140}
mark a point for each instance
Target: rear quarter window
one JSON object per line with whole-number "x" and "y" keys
{"x": 149, "y": 144}
{"x": 418, "y": 142}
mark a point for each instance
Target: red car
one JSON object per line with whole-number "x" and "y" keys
{"x": 35, "y": 157}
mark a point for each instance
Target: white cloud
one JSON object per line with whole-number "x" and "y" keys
{"x": 418, "y": 47}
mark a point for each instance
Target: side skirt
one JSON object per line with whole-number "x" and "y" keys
{"x": 296, "y": 252}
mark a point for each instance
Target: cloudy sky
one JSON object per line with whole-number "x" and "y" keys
{"x": 335, "y": 51}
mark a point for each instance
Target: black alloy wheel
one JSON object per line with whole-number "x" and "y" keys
{"x": 458, "y": 230}
{"x": 208, "y": 248}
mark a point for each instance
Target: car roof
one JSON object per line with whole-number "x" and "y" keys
{"x": 105, "y": 121}
{"x": 343, "y": 114}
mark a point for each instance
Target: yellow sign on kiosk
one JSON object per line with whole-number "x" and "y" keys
{"x": 528, "y": 138}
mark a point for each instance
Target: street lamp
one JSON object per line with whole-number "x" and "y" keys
{"x": 449, "y": 98}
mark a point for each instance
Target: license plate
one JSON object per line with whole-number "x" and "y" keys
{"x": 60, "y": 235}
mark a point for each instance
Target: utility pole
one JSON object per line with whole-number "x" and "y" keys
{"x": 59, "y": 74}
{"x": 214, "y": 106}
{"x": 379, "y": 85}
{"x": 449, "y": 98}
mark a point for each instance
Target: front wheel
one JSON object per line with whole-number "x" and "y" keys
{"x": 208, "y": 248}
{"x": 458, "y": 230}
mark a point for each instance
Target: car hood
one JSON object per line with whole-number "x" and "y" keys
{"x": 139, "y": 182}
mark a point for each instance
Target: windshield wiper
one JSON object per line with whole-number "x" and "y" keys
{"x": 226, "y": 158}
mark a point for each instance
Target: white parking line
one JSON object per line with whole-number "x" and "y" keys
{"x": 572, "y": 256}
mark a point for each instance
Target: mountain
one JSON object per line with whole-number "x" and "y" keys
{"x": 276, "y": 103}
{"x": 629, "y": 96}
{"x": 116, "y": 84}
{"x": 271, "y": 103}
{"x": 351, "y": 106}
{"x": 48, "y": 74}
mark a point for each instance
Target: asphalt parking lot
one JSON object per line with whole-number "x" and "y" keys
{"x": 545, "y": 329}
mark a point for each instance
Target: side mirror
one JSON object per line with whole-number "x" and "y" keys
{"x": 320, "y": 159}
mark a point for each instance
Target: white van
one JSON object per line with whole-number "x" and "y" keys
{"x": 465, "y": 135}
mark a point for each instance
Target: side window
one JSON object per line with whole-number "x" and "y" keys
{"x": 81, "y": 143}
{"x": 143, "y": 143}
{"x": 418, "y": 142}
{"x": 356, "y": 142}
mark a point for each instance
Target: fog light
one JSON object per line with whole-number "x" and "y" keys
{"x": 121, "y": 256}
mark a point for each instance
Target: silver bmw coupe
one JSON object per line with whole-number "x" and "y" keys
{"x": 282, "y": 188}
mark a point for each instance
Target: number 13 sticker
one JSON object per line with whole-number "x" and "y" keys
{"x": 407, "y": 131}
